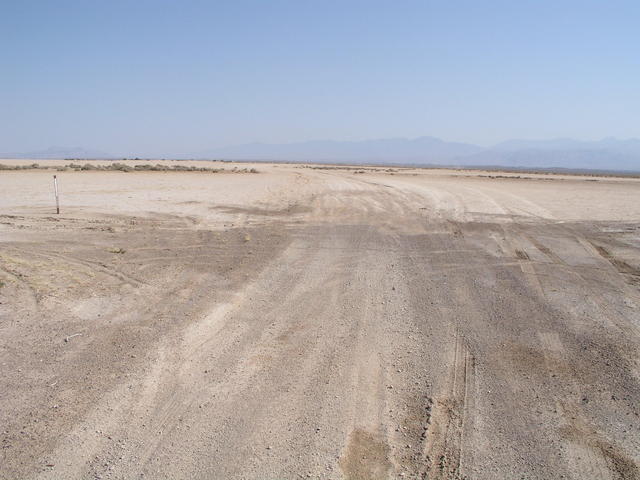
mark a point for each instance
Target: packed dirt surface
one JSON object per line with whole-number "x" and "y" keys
{"x": 331, "y": 323}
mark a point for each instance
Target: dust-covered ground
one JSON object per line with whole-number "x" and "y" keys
{"x": 319, "y": 323}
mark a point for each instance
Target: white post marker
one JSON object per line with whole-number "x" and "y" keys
{"x": 55, "y": 186}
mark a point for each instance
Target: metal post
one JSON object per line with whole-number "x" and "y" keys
{"x": 55, "y": 186}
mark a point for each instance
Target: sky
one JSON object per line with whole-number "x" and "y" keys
{"x": 156, "y": 77}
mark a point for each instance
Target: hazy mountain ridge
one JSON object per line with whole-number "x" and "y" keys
{"x": 631, "y": 145}
{"x": 546, "y": 158}
{"x": 606, "y": 154}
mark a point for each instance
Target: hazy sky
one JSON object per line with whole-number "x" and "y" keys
{"x": 167, "y": 77}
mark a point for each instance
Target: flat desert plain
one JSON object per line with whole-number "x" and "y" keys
{"x": 319, "y": 322}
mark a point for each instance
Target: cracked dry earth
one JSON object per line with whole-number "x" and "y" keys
{"x": 422, "y": 325}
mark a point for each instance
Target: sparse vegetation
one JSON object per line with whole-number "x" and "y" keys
{"x": 20, "y": 167}
{"x": 121, "y": 167}
{"x": 118, "y": 250}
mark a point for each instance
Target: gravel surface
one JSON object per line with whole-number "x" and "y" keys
{"x": 319, "y": 323}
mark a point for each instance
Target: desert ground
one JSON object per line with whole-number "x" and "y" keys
{"x": 319, "y": 322}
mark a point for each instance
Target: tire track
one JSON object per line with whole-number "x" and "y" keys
{"x": 450, "y": 417}
{"x": 90, "y": 264}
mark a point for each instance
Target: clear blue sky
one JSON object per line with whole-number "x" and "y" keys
{"x": 166, "y": 77}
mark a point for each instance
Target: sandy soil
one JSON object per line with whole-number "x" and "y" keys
{"x": 319, "y": 323}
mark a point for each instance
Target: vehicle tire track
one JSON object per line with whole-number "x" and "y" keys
{"x": 450, "y": 416}
{"x": 90, "y": 264}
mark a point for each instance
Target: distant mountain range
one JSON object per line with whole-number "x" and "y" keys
{"x": 606, "y": 154}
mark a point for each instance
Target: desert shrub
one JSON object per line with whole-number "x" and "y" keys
{"x": 143, "y": 167}
{"x": 120, "y": 167}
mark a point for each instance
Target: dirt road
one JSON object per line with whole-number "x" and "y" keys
{"x": 319, "y": 323}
